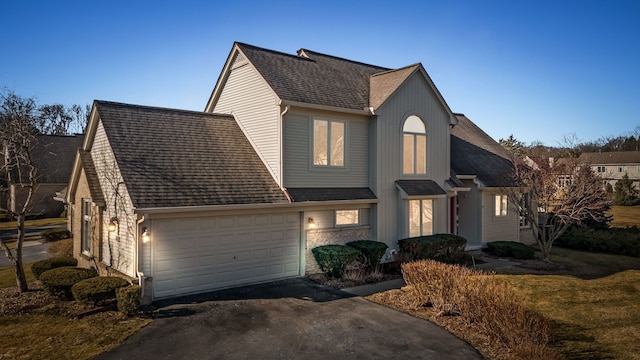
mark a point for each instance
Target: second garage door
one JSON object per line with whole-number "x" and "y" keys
{"x": 207, "y": 253}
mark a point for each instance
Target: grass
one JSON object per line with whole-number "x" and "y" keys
{"x": 625, "y": 215}
{"x": 12, "y": 225}
{"x": 590, "y": 319}
{"x": 49, "y": 329}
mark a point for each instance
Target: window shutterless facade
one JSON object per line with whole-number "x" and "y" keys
{"x": 328, "y": 142}
{"x": 414, "y": 146}
{"x": 86, "y": 226}
{"x": 500, "y": 205}
{"x": 347, "y": 217}
{"x": 420, "y": 217}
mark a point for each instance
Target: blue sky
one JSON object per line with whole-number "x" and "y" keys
{"x": 536, "y": 69}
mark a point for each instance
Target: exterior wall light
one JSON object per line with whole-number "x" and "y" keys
{"x": 113, "y": 224}
{"x": 146, "y": 235}
{"x": 311, "y": 224}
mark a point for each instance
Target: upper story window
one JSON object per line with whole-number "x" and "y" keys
{"x": 414, "y": 146}
{"x": 328, "y": 142}
{"x": 601, "y": 169}
{"x": 622, "y": 169}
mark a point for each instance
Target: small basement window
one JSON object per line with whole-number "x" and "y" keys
{"x": 347, "y": 217}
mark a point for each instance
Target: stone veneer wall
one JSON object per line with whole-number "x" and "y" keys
{"x": 331, "y": 236}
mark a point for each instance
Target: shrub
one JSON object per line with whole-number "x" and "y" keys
{"x": 446, "y": 248}
{"x": 55, "y": 234}
{"x": 510, "y": 249}
{"x": 333, "y": 259}
{"x": 372, "y": 251}
{"x": 38, "y": 267}
{"x": 620, "y": 241}
{"x": 58, "y": 281}
{"x": 128, "y": 299}
{"x": 97, "y": 290}
{"x": 480, "y": 299}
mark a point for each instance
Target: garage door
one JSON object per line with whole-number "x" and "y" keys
{"x": 202, "y": 254}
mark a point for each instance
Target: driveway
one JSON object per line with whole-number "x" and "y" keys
{"x": 290, "y": 319}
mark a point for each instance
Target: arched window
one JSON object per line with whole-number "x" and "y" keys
{"x": 414, "y": 146}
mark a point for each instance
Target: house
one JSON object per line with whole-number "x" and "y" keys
{"x": 612, "y": 166}
{"x": 291, "y": 152}
{"x": 53, "y": 157}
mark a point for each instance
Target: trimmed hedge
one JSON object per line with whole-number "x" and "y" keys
{"x": 510, "y": 249}
{"x": 97, "y": 290}
{"x": 55, "y": 234}
{"x": 58, "y": 281}
{"x": 372, "y": 251}
{"x": 447, "y": 248}
{"x": 128, "y": 299}
{"x": 38, "y": 267}
{"x": 333, "y": 259}
{"x": 619, "y": 241}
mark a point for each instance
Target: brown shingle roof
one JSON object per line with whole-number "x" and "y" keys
{"x": 420, "y": 187}
{"x": 473, "y": 152}
{"x": 611, "y": 158}
{"x": 53, "y": 156}
{"x": 384, "y": 84}
{"x": 314, "y": 78}
{"x": 173, "y": 158}
{"x": 92, "y": 177}
{"x": 330, "y": 194}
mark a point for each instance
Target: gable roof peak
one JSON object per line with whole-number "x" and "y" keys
{"x": 412, "y": 66}
{"x": 308, "y": 54}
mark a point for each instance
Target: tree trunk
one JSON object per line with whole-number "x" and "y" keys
{"x": 21, "y": 279}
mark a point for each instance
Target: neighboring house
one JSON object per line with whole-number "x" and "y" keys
{"x": 611, "y": 166}
{"x": 53, "y": 157}
{"x": 291, "y": 152}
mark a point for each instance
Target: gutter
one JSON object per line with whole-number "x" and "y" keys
{"x": 364, "y": 111}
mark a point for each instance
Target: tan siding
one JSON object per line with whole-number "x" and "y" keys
{"x": 298, "y": 170}
{"x": 117, "y": 248}
{"x": 254, "y": 105}
{"x": 494, "y": 228}
{"x": 413, "y": 98}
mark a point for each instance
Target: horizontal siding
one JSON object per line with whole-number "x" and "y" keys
{"x": 494, "y": 228}
{"x": 117, "y": 248}
{"x": 254, "y": 105}
{"x": 298, "y": 152}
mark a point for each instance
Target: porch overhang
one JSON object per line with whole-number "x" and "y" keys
{"x": 420, "y": 189}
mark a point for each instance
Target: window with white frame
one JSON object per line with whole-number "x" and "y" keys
{"x": 414, "y": 151}
{"x": 601, "y": 169}
{"x": 328, "y": 142}
{"x": 622, "y": 169}
{"x": 86, "y": 226}
{"x": 500, "y": 205}
{"x": 420, "y": 217}
{"x": 347, "y": 217}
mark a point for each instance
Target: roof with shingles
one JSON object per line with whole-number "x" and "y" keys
{"x": 386, "y": 83}
{"x": 314, "y": 78}
{"x": 53, "y": 156}
{"x": 420, "y": 187}
{"x": 92, "y": 177}
{"x": 474, "y": 152}
{"x": 175, "y": 158}
{"x": 610, "y": 158}
{"x": 330, "y": 194}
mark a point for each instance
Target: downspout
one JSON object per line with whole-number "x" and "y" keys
{"x": 281, "y": 145}
{"x": 141, "y": 276}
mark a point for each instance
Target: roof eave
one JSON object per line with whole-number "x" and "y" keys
{"x": 365, "y": 111}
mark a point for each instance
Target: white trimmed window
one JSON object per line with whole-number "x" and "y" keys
{"x": 622, "y": 169}
{"x": 414, "y": 153}
{"x": 500, "y": 205}
{"x": 601, "y": 169}
{"x": 347, "y": 217}
{"x": 86, "y": 226}
{"x": 420, "y": 217}
{"x": 328, "y": 143}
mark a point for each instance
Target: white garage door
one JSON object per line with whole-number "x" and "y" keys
{"x": 202, "y": 254}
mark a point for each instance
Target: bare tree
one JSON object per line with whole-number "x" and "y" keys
{"x": 558, "y": 194}
{"x": 17, "y": 132}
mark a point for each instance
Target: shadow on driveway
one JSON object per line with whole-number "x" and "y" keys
{"x": 289, "y": 319}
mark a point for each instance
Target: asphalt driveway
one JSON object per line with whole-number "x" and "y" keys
{"x": 291, "y": 319}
